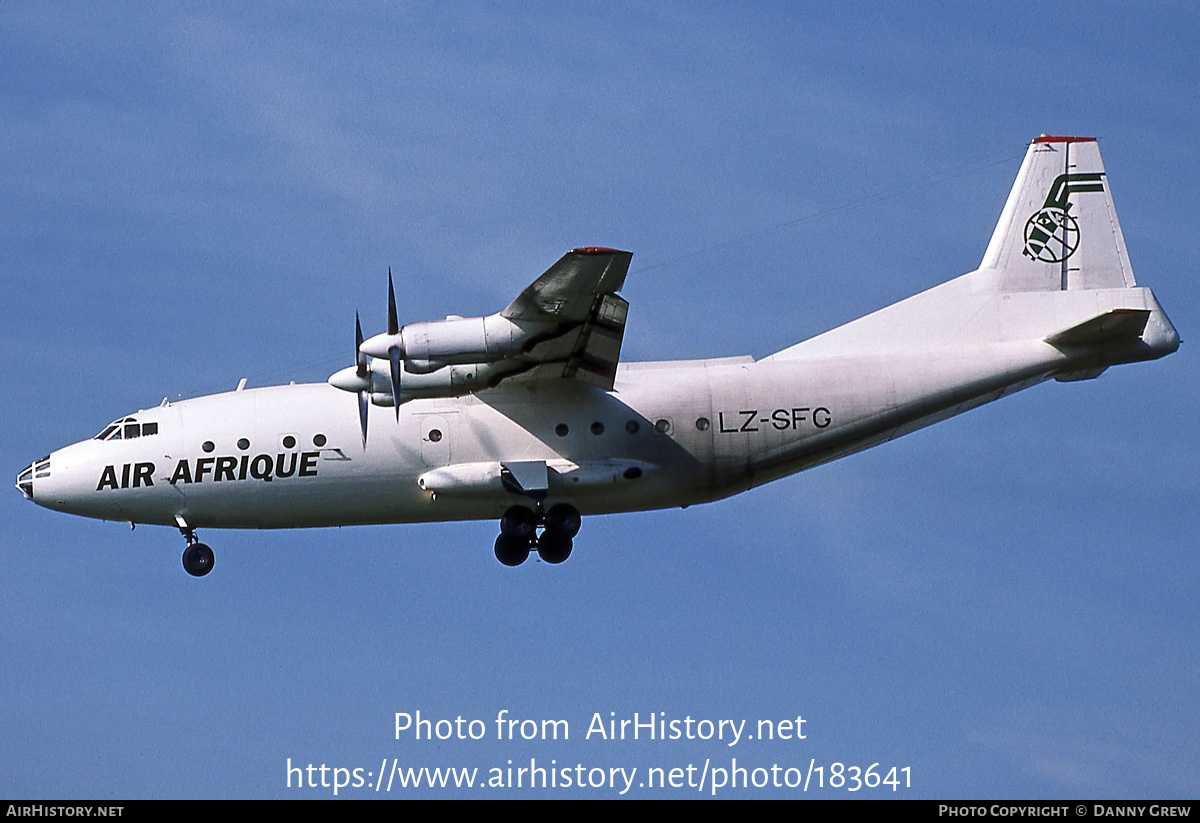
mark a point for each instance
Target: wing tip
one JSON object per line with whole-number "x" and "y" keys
{"x": 593, "y": 250}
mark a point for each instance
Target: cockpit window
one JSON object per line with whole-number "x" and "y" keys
{"x": 127, "y": 428}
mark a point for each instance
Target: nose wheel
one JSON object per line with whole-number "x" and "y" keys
{"x": 198, "y": 558}
{"x": 518, "y": 533}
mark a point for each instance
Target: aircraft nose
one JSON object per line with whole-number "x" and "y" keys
{"x": 40, "y": 468}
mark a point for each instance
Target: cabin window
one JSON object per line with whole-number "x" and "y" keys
{"x": 243, "y": 443}
{"x": 207, "y": 445}
{"x": 597, "y": 428}
{"x": 702, "y": 423}
{"x": 562, "y": 429}
{"x": 319, "y": 440}
{"x": 632, "y": 427}
{"x": 289, "y": 442}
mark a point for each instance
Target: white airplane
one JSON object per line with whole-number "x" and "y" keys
{"x": 527, "y": 416}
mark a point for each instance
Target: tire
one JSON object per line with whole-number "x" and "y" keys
{"x": 554, "y": 547}
{"x": 563, "y": 519}
{"x": 520, "y": 522}
{"x": 198, "y": 560}
{"x": 511, "y": 551}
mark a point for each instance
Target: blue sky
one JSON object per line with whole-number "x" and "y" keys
{"x": 194, "y": 194}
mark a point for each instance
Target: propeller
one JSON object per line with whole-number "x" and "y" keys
{"x": 364, "y": 395}
{"x": 395, "y": 353}
{"x": 359, "y": 378}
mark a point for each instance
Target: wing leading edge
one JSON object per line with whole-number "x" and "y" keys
{"x": 567, "y": 291}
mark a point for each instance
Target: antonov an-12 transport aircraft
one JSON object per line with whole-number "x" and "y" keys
{"x": 527, "y": 415}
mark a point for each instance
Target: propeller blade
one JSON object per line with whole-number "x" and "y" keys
{"x": 364, "y": 403}
{"x": 364, "y": 395}
{"x": 360, "y": 359}
{"x": 393, "y": 322}
{"x": 397, "y": 367}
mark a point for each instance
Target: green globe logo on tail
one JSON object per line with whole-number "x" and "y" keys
{"x": 1052, "y": 233}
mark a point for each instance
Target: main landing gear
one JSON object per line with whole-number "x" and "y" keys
{"x": 518, "y": 533}
{"x": 197, "y": 557}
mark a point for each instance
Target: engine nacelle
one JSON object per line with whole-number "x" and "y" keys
{"x": 449, "y": 381}
{"x": 455, "y": 340}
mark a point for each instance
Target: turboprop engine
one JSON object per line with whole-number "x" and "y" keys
{"x": 439, "y": 358}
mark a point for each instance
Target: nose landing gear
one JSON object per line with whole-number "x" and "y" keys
{"x": 518, "y": 533}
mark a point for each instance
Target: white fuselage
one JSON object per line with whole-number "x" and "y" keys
{"x": 669, "y": 434}
{"x": 528, "y": 416}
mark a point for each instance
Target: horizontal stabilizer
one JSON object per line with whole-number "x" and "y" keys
{"x": 1113, "y": 326}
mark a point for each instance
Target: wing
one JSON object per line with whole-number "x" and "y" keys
{"x": 577, "y": 298}
{"x": 568, "y": 290}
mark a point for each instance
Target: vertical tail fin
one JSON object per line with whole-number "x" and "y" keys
{"x": 1059, "y": 230}
{"x": 1055, "y": 272}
